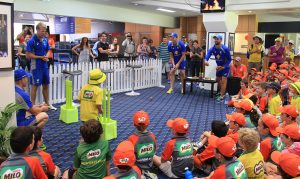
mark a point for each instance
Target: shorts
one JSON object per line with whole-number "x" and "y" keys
{"x": 40, "y": 77}
{"x": 182, "y": 65}
{"x": 166, "y": 168}
{"x": 28, "y": 121}
{"x": 256, "y": 65}
{"x": 223, "y": 73}
{"x": 165, "y": 67}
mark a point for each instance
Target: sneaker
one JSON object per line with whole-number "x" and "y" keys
{"x": 220, "y": 98}
{"x": 52, "y": 107}
{"x": 170, "y": 91}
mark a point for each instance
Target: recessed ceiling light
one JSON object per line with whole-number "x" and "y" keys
{"x": 250, "y": 11}
{"x": 165, "y": 10}
{"x": 136, "y": 4}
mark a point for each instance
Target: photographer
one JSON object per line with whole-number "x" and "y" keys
{"x": 128, "y": 45}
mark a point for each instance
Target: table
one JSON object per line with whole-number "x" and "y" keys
{"x": 202, "y": 80}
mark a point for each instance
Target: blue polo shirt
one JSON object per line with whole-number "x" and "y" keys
{"x": 39, "y": 48}
{"x": 23, "y": 99}
{"x": 176, "y": 50}
{"x": 222, "y": 55}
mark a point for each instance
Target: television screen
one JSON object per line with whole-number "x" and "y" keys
{"x": 210, "y": 6}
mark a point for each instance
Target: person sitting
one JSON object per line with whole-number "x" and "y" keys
{"x": 144, "y": 143}
{"x": 238, "y": 69}
{"x": 92, "y": 156}
{"x": 236, "y": 121}
{"x": 244, "y": 91}
{"x": 251, "y": 158}
{"x": 51, "y": 170}
{"x": 124, "y": 159}
{"x": 246, "y": 107}
{"x": 90, "y": 96}
{"x": 260, "y": 92}
{"x": 294, "y": 93}
{"x": 290, "y": 136}
{"x": 19, "y": 164}
{"x": 289, "y": 115}
{"x": 274, "y": 101}
{"x": 178, "y": 153}
{"x": 30, "y": 115}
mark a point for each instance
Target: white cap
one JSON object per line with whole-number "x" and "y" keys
{"x": 291, "y": 41}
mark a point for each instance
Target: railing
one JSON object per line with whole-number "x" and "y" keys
{"x": 120, "y": 80}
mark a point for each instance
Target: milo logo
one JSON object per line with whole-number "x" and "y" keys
{"x": 239, "y": 170}
{"x": 184, "y": 148}
{"x": 124, "y": 160}
{"x": 145, "y": 150}
{"x": 258, "y": 168}
{"x": 93, "y": 154}
{"x": 141, "y": 119}
{"x": 87, "y": 94}
{"x": 17, "y": 173}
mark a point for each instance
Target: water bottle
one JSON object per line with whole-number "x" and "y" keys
{"x": 226, "y": 98}
{"x": 188, "y": 174}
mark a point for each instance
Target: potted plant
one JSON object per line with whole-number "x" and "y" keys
{"x": 5, "y": 131}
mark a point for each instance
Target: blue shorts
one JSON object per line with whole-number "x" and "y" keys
{"x": 223, "y": 73}
{"x": 182, "y": 65}
{"x": 28, "y": 121}
{"x": 40, "y": 77}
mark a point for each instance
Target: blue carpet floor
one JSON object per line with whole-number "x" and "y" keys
{"x": 198, "y": 108}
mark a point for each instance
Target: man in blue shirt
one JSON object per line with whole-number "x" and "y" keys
{"x": 37, "y": 51}
{"x": 177, "y": 51}
{"x": 223, "y": 60}
{"x": 30, "y": 115}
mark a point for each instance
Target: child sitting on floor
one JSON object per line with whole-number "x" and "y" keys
{"x": 92, "y": 156}
{"x": 144, "y": 143}
{"x": 178, "y": 153}
{"x": 294, "y": 93}
{"x": 51, "y": 170}
{"x": 236, "y": 121}
{"x": 290, "y": 137}
{"x": 124, "y": 159}
{"x": 274, "y": 101}
{"x": 251, "y": 158}
{"x": 289, "y": 115}
{"x": 243, "y": 92}
{"x": 260, "y": 92}
{"x": 246, "y": 107}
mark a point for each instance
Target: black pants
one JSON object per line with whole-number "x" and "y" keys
{"x": 188, "y": 68}
{"x": 196, "y": 67}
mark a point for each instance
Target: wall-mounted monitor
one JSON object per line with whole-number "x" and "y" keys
{"x": 211, "y": 6}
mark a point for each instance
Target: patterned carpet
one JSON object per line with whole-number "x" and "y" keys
{"x": 198, "y": 108}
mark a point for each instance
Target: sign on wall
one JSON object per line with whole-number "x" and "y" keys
{"x": 64, "y": 25}
{"x": 83, "y": 25}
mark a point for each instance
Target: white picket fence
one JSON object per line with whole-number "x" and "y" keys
{"x": 120, "y": 80}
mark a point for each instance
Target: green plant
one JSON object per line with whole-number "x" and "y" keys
{"x": 5, "y": 117}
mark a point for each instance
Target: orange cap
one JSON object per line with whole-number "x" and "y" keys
{"x": 285, "y": 72}
{"x": 274, "y": 65}
{"x": 179, "y": 125}
{"x": 254, "y": 69}
{"x": 283, "y": 66}
{"x": 124, "y": 154}
{"x": 237, "y": 117}
{"x": 297, "y": 68}
{"x": 290, "y": 110}
{"x": 259, "y": 73}
{"x": 292, "y": 130}
{"x": 272, "y": 123}
{"x": 289, "y": 162}
{"x": 244, "y": 104}
{"x": 292, "y": 79}
{"x": 225, "y": 145}
{"x": 257, "y": 78}
{"x": 141, "y": 118}
{"x": 272, "y": 68}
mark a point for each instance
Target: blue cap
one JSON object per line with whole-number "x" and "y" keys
{"x": 20, "y": 73}
{"x": 219, "y": 36}
{"x": 174, "y": 35}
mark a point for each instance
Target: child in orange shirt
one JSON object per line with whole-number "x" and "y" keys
{"x": 260, "y": 92}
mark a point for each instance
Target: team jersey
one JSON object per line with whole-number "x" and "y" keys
{"x": 23, "y": 99}
{"x": 176, "y": 50}
{"x": 253, "y": 163}
{"x": 268, "y": 145}
{"x": 231, "y": 169}
{"x": 144, "y": 149}
{"x": 180, "y": 150}
{"x": 45, "y": 160}
{"x": 238, "y": 71}
{"x": 90, "y": 159}
{"x": 133, "y": 173}
{"x": 22, "y": 166}
{"x": 273, "y": 105}
{"x": 295, "y": 101}
{"x": 222, "y": 55}
{"x": 90, "y": 96}
{"x": 39, "y": 48}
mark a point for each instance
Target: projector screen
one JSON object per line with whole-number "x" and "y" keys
{"x": 210, "y": 6}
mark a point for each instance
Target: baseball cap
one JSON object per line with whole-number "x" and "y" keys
{"x": 179, "y": 125}
{"x": 291, "y": 42}
{"x": 296, "y": 85}
{"x": 237, "y": 59}
{"x": 258, "y": 78}
{"x": 290, "y": 110}
{"x": 289, "y": 162}
{"x": 244, "y": 104}
{"x": 124, "y": 154}
{"x": 274, "y": 85}
{"x": 225, "y": 145}
{"x": 283, "y": 66}
{"x": 278, "y": 39}
{"x": 219, "y": 36}
{"x": 273, "y": 68}
{"x": 20, "y": 73}
{"x": 141, "y": 118}
{"x": 285, "y": 72}
{"x": 237, "y": 117}
{"x": 292, "y": 130}
{"x": 296, "y": 68}
{"x": 272, "y": 123}
{"x": 254, "y": 69}
{"x": 174, "y": 35}
{"x": 259, "y": 73}
{"x": 274, "y": 65}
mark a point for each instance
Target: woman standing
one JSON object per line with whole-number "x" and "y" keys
{"x": 24, "y": 62}
{"x": 144, "y": 49}
{"x": 277, "y": 53}
{"x": 114, "y": 47}
{"x": 85, "y": 50}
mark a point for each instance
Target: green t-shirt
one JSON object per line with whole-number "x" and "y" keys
{"x": 90, "y": 159}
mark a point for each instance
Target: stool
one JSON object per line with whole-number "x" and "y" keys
{"x": 69, "y": 112}
{"x": 133, "y": 93}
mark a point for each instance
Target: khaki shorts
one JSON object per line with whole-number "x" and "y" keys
{"x": 165, "y": 67}
{"x": 256, "y": 65}
{"x": 166, "y": 168}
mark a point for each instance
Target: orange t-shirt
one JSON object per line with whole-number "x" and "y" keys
{"x": 238, "y": 71}
{"x": 209, "y": 152}
{"x": 219, "y": 173}
{"x": 263, "y": 103}
{"x": 233, "y": 135}
{"x": 51, "y": 43}
{"x": 48, "y": 161}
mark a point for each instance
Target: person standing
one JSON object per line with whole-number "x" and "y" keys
{"x": 24, "y": 62}
{"x": 188, "y": 58}
{"x": 196, "y": 59}
{"x": 290, "y": 51}
{"x": 143, "y": 49}
{"x": 129, "y": 45}
{"x": 177, "y": 52}
{"x": 103, "y": 48}
{"x": 256, "y": 52}
{"x": 277, "y": 53}
{"x": 37, "y": 51}
{"x": 223, "y": 60}
{"x": 85, "y": 51}
{"x": 114, "y": 48}
{"x": 164, "y": 56}
{"x": 95, "y": 49}
{"x": 153, "y": 53}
